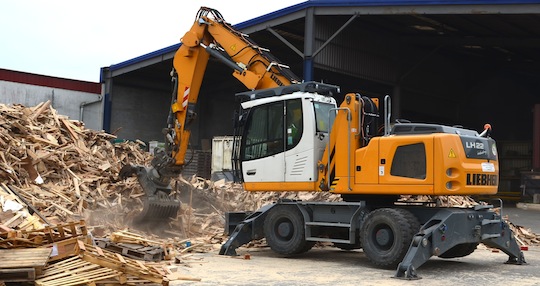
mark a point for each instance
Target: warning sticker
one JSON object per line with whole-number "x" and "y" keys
{"x": 452, "y": 154}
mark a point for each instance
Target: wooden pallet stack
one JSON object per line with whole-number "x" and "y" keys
{"x": 98, "y": 266}
{"x": 64, "y": 255}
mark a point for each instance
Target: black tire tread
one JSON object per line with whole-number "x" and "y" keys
{"x": 297, "y": 244}
{"x": 460, "y": 250}
{"x": 406, "y": 225}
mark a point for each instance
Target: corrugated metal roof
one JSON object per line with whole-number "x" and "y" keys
{"x": 327, "y": 3}
{"x": 50, "y": 81}
{"x": 144, "y": 57}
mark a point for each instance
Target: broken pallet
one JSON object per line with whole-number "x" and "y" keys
{"x": 43, "y": 236}
{"x": 22, "y": 265}
{"x": 132, "y": 250}
{"x": 75, "y": 271}
{"x": 108, "y": 259}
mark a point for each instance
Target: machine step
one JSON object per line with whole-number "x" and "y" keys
{"x": 323, "y": 239}
{"x": 331, "y": 224}
{"x": 490, "y": 221}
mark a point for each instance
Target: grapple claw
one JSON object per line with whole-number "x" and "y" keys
{"x": 159, "y": 205}
{"x": 158, "y": 209}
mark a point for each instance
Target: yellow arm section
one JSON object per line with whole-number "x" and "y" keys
{"x": 251, "y": 65}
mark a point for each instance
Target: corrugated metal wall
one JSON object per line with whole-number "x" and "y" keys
{"x": 363, "y": 55}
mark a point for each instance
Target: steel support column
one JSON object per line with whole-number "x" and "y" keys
{"x": 309, "y": 40}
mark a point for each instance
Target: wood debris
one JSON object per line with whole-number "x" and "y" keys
{"x": 132, "y": 250}
{"x": 63, "y": 169}
{"x": 96, "y": 266}
{"x": 524, "y": 236}
{"x": 154, "y": 273}
{"x": 124, "y": 236}
{"x": 42, "y": 237}
{"x": 75, "y": 271}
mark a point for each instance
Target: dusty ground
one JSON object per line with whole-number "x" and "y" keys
{"x": 331, "y": 266}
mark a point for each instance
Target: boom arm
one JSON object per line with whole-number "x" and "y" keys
{"x": 254, "y": 66}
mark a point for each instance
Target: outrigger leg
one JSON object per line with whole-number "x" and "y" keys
{"x": 451, "y": 227}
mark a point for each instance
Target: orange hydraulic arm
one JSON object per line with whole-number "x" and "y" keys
{"x": 254, "y": 66}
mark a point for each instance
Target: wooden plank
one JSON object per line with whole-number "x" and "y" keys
{"x": 24, "y": 257}
{"x": 120, "y": 258}
{"x": 4, "y": 228}
{"x": 39, "y": 109}
{"x": 75, "y": 272}
{"x": 61, "y": 272}
{"x": 17, "y": 274}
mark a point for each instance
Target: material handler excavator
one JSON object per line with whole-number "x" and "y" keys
{"x": 292, "y": 136}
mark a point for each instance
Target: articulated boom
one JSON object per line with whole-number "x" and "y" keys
{"x": 252, "y": 65}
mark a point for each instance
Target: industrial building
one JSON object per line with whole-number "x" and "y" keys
{"x": 79, "y": 100}
{"x": 452, "y": 62}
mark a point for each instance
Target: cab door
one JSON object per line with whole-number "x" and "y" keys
{"x": 263, "y": 144}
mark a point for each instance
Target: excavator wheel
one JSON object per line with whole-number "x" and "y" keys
{"x": 157, "y": 209}
{"x": 386, "y": 235}
{"x": 284, "y": 230}
{"x": 460, "y": 250}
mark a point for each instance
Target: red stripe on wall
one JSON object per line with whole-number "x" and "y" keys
{"x": 50, "y": 81}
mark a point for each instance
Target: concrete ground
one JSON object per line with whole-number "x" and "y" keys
{"x": 527, "y": 215}
{"x": 331, "y": 266}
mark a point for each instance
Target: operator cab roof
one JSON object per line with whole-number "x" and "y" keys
{"x": 309, "y": 86}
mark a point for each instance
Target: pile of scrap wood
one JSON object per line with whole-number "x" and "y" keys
{"x": 67, "y": 254}
{"x": 84, "y": 264}
{"x": 524, "y": 236}
{"x": 63, "y": 168}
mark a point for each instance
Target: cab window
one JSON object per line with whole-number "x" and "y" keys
{"x": 295, "y": 122}
{"x": 264, "y": 131}
{"x": 323, "y": 116}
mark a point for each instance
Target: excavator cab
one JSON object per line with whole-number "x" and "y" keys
{"x": 284, "y": 133}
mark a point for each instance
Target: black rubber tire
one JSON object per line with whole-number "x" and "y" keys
{"x": 460, "y": 250}
{"x": 285, "y": 232}
{"x": 386, "y": 235}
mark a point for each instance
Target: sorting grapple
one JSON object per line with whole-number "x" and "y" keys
{"x": 159, "y": 205}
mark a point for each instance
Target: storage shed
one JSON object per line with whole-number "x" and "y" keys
{"x": 80, "y": 100}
